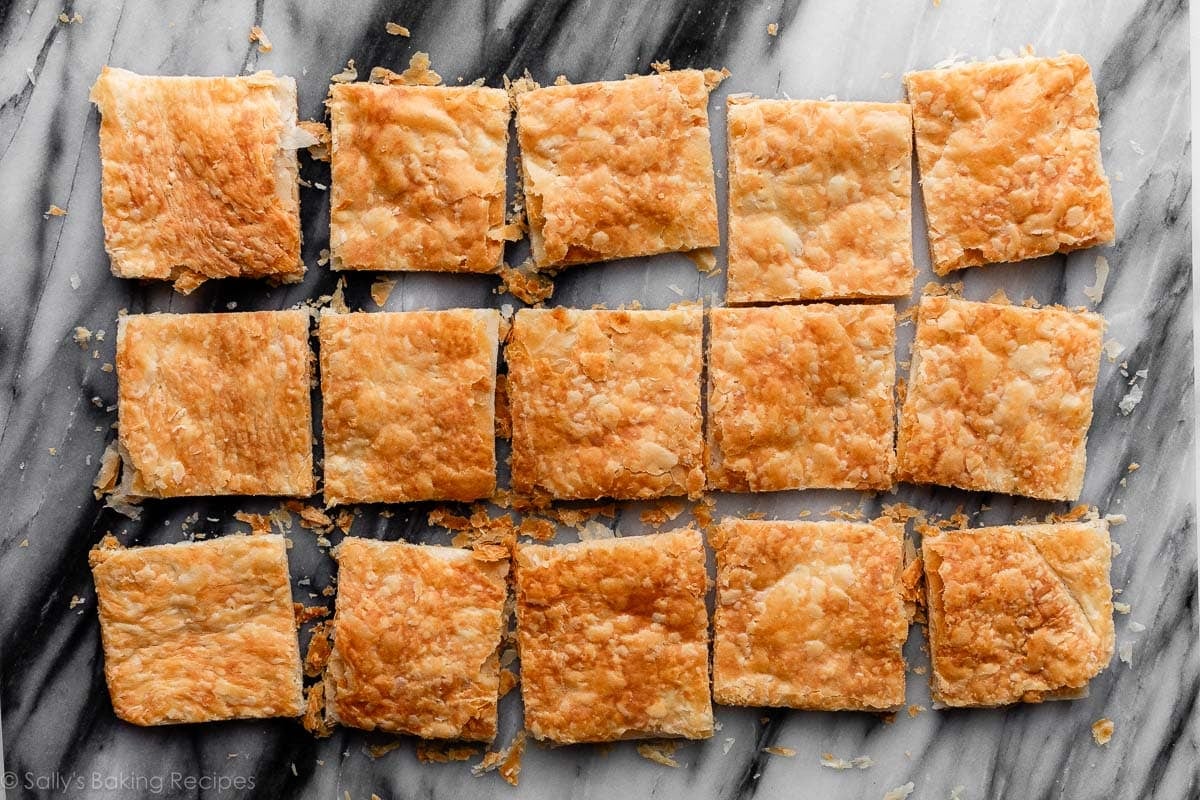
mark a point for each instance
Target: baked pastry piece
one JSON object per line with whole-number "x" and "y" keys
{"x": 199, "y": 176}
{"x": 809, "y": 615}
{"x": 415, "y": 639}
{"x": 606, "y": 403}
{"x": 1018, "y": 613}
{"x": 1009, "y": 153}
{"x": 613, "y": 637}
{"x": 199, "y": 631}
{"x": 801, "y": 397}
{"x": 618, "y": 168}
{"x": 215, "y": 403}
{"x": 418, "y": 177}
{"x": 1000, "y": 398}
{"x": 409, "y": 405}
{"x": 820, "y": 200}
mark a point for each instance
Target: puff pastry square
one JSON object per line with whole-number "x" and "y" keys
{"x": 801, "y": 397}
{"x": 213, "y": 404}
{"x": 613, "y": 637}
{"x": 418, "y": 177}
{"x": 618, "y": 168}
{"x": 409, "y": 405}
{"x": 199, "y": 176}
{"x": 809, "y": 615}
{"x": 199, "y": 631}
{"x": 820, "y": 200}
{"x": 1019, "y": 613}
{"x": 415, "y": 639}
{"x": 606, "y": 403}
{"x": 1000, "y": 398}
{"x": 1009, "y": 153}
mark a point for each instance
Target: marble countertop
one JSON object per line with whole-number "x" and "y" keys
{"x": 59, "y": 731}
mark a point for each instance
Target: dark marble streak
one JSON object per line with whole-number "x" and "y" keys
{"x": 56, "y": 712}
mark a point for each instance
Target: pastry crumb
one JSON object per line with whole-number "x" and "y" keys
{"x": 257, "y": 34}
{"x": 432, "y": 752}
{"x": 1095, "y": 292}
{"x": 833, "y": 762}
{"x": 704, "y": 259}
{"x": 773, "y": 29}
{"x": 525, "y": 284}
{"x": 381, "y": 290}
{"x": 660, "y": 752}
{"x": 900, "y": 792}
{"x": 348, "y": 75}
{"x": 397, "y": 30}
{"x": 55, "y": 211}
{"x": 1102, "y": 731}
{"x": 776, "y": 750}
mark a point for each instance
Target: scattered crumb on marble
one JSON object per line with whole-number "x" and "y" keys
{"x": 397, "y": 30}
{"x": 1130, "y": 401}
{"x": 1095, "y": 292}
{"x": 1102, "y": 731}
{"x": 319, "y": 648}
{"x": 914, "y": 710}
{"x": 525, "y": 284}
{"x": 381, "y": 290}
{"x": 507, "y": 761}
{"x": 773, "y": 29}
{"x": 776, "y": 750}
{"x": 704, "y": 259}
{"x": 833, "y": 762}
{"x": 257, "y": 34}
{"x": 432, "y": 752}
{"x": 55, "y": 211}
{"x": 661, "y": 513}
{"x": 314, "y": 720}
{"x": 660, "y": 752}
{"x": 900, "y": 792}
{"x": 1122, "y": 608}
{"x": 727, "y": 745}
{"x": 383, "y": 748}
{"x": 308, "y": 613}
{"x": 1125, "y": 653}
{"x": 348, "y": 75}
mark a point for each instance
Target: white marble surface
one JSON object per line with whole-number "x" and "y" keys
{"x": 56, "y": 715}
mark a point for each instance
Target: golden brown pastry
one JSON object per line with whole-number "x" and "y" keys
{"x": 1009, "y": 153}
{"x": 199, "y": 631}
{"x": 801, "y": 397}
{"x": 409, "y": 405}
{"x": 618, "y": 168}
{"x": 613, "y": 637}
{"x": 415, "y": 639}
{"x": 418, "y": 177}
{"x": 1019, "y": 613}
{"x": 1000, "y": 398}
{"x": 606, "y": 403}
{"x": 199, "y": 176}
{"x": 809, "y": 615}
{"x": 214, "y": 404}
{"x": 820, "y": 200}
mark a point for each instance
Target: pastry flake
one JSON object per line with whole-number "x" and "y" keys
{"x": 801, "y": 397}
{"x": 1009, "y": 153}
{"x": 999, "y": 398}
{"x": 615, "y": 169}
{"x": 199, "y": 631}
{"x": 212, "y": 404}
{"x": 415, "y": 640}
{"x": 409, "y": 405}
{"x": 1018, "y": 613}
{"x": 613, "y": 638}
{"x": 418, "y": 177}
{"x": 820, "y": 200}
{"x": 809, "y": 615}
{"x": 606, "y": 403}
{"x": 199, "y": 176}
